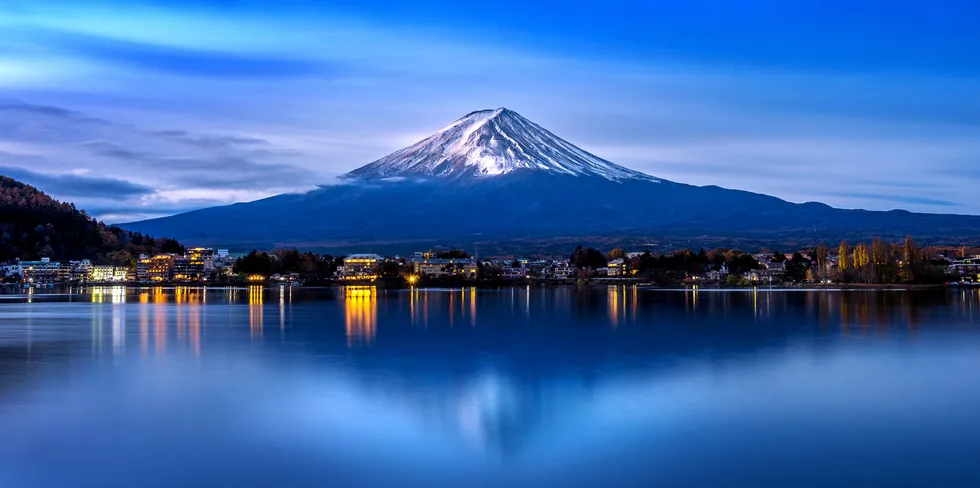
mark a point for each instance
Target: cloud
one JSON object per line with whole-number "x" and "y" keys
{"x": 75, "y": 185}
{"x": 16, "y": 106}
{"x": 221, "y": 171}
{"x": 901, "y": 199}
{"x": 173, "y": 59}
{"x": 160, "y": 171}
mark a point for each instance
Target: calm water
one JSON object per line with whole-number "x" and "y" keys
{"x": 567, "y": 387}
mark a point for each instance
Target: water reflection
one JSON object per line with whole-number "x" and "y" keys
{"x": 255, "y": 310}
{"x": 360, "y": 314}
{"x": 597, "y": 375}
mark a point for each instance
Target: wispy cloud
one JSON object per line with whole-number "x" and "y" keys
{"x": 896, "y": 199}
{"x": 77, "y": 185}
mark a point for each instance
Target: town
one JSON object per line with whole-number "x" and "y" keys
{"x": 874, "y": 263}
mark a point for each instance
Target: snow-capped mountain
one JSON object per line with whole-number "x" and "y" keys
{"x": 490, "y": 143}
{"x": 495, "y": 179}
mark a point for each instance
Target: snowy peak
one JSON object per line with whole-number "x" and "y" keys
{"x": 487, "y": 143}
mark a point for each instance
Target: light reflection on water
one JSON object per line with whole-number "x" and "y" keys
{"x": 524, "y": 386}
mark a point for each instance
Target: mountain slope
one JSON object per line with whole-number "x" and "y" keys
{"x": 34, "y": 225}
{"x": 493, "y": 176}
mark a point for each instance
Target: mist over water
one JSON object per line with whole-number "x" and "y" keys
{"x": 616, "y": 386}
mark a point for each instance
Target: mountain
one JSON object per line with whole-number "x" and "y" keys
{"x": 496, "y": 179}
{"x": 34, "y": 225}
{"x": 490, "y": 143}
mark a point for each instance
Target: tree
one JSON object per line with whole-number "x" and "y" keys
{"x": 820, "y": 261}
{"x": 860, "y": 261}
{"x": 452, "y": 254}
{"x": 797, "y": 268}
{"x": 843, "y": 257}
{"x": 587, "y": 258}
{"x": 389, "y": 269}
{"x": 617, "y": 253}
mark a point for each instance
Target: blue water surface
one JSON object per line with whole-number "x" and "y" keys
{"x": 612, "y": 386}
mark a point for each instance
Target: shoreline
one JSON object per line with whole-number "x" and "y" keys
{"x": 515, "y": 284}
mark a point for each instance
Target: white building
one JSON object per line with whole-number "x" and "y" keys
{"x": 108, "y": 274}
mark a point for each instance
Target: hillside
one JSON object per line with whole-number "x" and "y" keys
{"x": 34, "y": 225}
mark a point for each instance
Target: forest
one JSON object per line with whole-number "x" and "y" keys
{"x": 34, "y": 225}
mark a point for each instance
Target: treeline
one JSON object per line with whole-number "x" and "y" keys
{"x": 881, "y": 262}
{"x": 34, "y": 225}
{"x": 875, "y": 262}
{"x": 675, "y": 266}
{"x": 311, "y": 267}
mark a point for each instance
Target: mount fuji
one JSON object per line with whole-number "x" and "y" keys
{"x": 494, "y": 177}
{"x": 493, "y": 143}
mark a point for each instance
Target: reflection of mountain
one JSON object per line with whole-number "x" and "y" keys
{"x": 533, "y": 360}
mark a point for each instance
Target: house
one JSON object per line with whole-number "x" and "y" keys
{"x": 512, "y": 273}
{"x": 616, "y": 268}
{"x": 562, "y": 271}
{"x": 968, "y": 268}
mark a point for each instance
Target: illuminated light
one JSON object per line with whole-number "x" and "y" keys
{"x": 413, "y": 279}
{"x": 361, "y": 315}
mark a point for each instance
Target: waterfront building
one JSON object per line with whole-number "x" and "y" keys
{"x": 189, "y": 269}
{"x": 77, "y": 271}
{"x": 460, "y": 267}
{"x": 513, "y": 273}
{"x": 563, "y": 271}
{"x": 203, "y": 255}
{"x": 108, "y": 274}
{"x": 968, "y": 268}
{"x": 42, "y": 271}
{"x": 616, "y": 268}
{"x": 360, "y": 267}
{"x": 157, "y": 268}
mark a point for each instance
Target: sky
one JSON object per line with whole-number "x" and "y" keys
{"x": 137, "y": 109}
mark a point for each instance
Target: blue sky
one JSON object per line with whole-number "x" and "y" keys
{"x": 139, "y": 109}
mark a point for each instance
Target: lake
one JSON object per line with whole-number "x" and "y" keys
{"x": 616, "y": 386}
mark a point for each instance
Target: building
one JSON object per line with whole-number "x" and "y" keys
{"x": 77, "y": 271}
{"x": 513, "y": 273}
{"x": 205, "y": 256}
{"x": 460, "y": 267}
{"x": 189, "y": 269}
{"x": 968, "y": 269}
{"x": 616, "y": 268}
{"x": 158, "y": 268}
{"x": 108, "y": 274}
{"x": 563, "y": 271}
{"x": 43, "y": 271}
{"x": 360, "y": 267}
